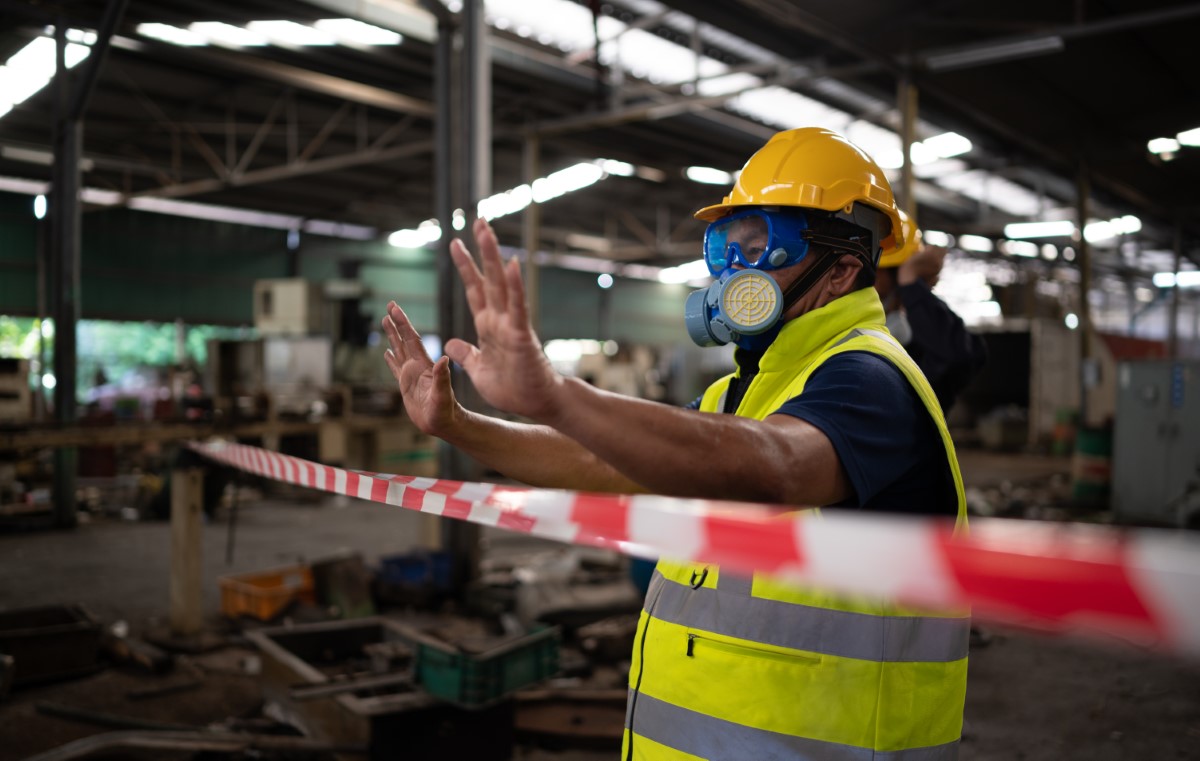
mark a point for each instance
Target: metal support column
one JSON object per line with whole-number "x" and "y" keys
{"x": 63, "y": 283}
{"x": 1083, "y": 191}
{"x": 531, "y": 230}
{"x": 1173, "y": 312}
{"x": 907, "y": 104}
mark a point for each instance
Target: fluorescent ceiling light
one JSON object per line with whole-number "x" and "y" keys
{"x": 31, "y": 68}
{"x": 352, "y": 32}
{"x": 685, "y": 273}
{"x": 1056, "y": 229}
{"x": 1191, "y": 137}
{"x": 100, "y": 196}
{"x": 619, "y": 168}
{"x": 936, "y": 238}
{"x": 996, "y": 53}
{"x": 947, "y": 145}
{"x": 1095, "y": 232}
{"x": 1188, "y": 279}
{"x": 975, "y": 243}
{"x": 172, "y": 34}
{"x": 1161, "y": 145}
{"x": 228, "y": 35}
{"x": 1022, "y": 248}
{"x": 708, "y": 175}
{"x": 290, "y": 33}
{"x": 502, "y": 204}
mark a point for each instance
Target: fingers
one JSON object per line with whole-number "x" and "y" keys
{"x": 402, "y": 337}
{"x": 472, "y": 279}
{"x": 517, "y": 308}
{"x": 493, "y": 267}
{"x": 462, "y": 352}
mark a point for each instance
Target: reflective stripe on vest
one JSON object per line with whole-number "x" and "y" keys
{"x": 727, "y": 667}
{"x": 828, "y": 632}
{"x": 716, "y": 740}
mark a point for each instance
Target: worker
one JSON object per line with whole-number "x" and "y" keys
{"x": 949, "y": 354}
{"x": 825, "y": 408}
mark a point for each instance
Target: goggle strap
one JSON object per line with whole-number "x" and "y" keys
{"x": 851, "y": 246}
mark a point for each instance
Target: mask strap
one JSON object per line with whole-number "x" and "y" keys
{"x": 806, "y": 281}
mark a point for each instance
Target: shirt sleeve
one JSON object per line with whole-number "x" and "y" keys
{"x": 948, "y": 353}
{"x": 877, "y": 424}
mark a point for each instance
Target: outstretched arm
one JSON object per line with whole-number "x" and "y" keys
{"x": 533, "y": 454}
{"x": 667, "y": 450}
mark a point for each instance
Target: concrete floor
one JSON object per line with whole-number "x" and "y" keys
{"x": 1029, "y": 697}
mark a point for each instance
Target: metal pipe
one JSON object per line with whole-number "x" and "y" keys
{"x": 531, "y": 230}
{"x": 1173, "y": 319}
{"x": 907, "y": 104}
{"x": 1085, "y": 286}
{"x": 113, "y": 13}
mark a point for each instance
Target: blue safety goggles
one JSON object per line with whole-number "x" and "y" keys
{"x": 765, "y": 239}
{"x": 756, "y": 239}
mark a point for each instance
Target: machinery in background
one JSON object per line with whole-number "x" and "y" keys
{"x": 1156, "y": 449}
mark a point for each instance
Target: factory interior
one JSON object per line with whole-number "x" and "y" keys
{"x": 227, "y": 533}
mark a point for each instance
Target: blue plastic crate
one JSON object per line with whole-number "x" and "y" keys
{"x": 427, "y": 570}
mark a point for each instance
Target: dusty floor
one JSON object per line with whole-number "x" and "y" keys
{"x": 1029, "y": 697}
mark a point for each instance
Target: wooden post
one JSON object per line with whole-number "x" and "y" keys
{"x": 187, "y": 551}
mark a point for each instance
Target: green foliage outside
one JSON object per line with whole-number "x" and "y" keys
{"x": 119, "y": 348}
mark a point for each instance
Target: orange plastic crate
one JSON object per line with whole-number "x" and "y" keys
{"x": 267, "y": 593}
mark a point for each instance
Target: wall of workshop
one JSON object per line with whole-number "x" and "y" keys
{"x": 145, "y": 266}
{"x": 18, "y": 255}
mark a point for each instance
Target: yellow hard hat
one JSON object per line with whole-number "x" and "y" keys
{"x": 814, "y": 168}
{"x": 912, "y": 243}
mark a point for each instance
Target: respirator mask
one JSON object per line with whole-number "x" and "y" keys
{"x": 744, "y": 304}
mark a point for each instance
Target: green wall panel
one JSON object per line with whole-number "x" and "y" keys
{"x": 144, "y": 266}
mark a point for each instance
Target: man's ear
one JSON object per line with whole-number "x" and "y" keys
{"x": 843, "y": 276}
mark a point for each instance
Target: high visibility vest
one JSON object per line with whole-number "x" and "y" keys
{"x": 727, "y": 668}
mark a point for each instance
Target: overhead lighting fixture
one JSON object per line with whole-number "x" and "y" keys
{"x": 1071, "y": 321}
{"x": 619, "y": 168}
{"x": 685, "y": 273}
{"x": 39, "y": 206}
{"x": 1190, "y": 138}
{"x": 354, "y": 32}
{"x": 995, "y": 53}
{"x": 975, "y": 243}
{"x": 604, "y": 280}
{"x": 947, "y": 145}
{"x": 936, "y": 238}
{"x": 1022, "y": 248}
{"x": 1056, "y": 229}
{"x": 289, "y": 33}
{"x": 1164, "y": 147}
{"x": 228, "y": 35}
{"x": 708, "y": 175}
{"x": 32, "y": 67}
{"x": 1188, "y": 279}
{"x": 1096, "y": 232}
{"x": 172, "y": 34}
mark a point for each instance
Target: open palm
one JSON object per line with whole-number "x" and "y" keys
{"x": 424, "y": 385}
{"x": 507, "y": 367}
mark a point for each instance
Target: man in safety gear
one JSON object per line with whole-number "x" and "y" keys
{"x": 948, "y": 354}
{"x": 825, "y": 408}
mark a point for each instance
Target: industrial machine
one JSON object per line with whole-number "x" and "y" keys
{"x": 1156, "y": 447}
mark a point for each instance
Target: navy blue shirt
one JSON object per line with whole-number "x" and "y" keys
{"x": 884, "y": 437}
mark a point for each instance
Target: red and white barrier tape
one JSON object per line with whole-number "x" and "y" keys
{"x": 1138, "y": 586}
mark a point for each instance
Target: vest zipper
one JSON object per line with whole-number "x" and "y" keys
{"x": 642, "y": 663}
{"x": 738, "y": 648}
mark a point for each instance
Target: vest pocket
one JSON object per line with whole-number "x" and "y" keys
{"x": 699, "y": 643}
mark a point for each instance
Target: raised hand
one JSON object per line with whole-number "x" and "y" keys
{"x": 425, "y": 386}
{"x": 508, "y": 367}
